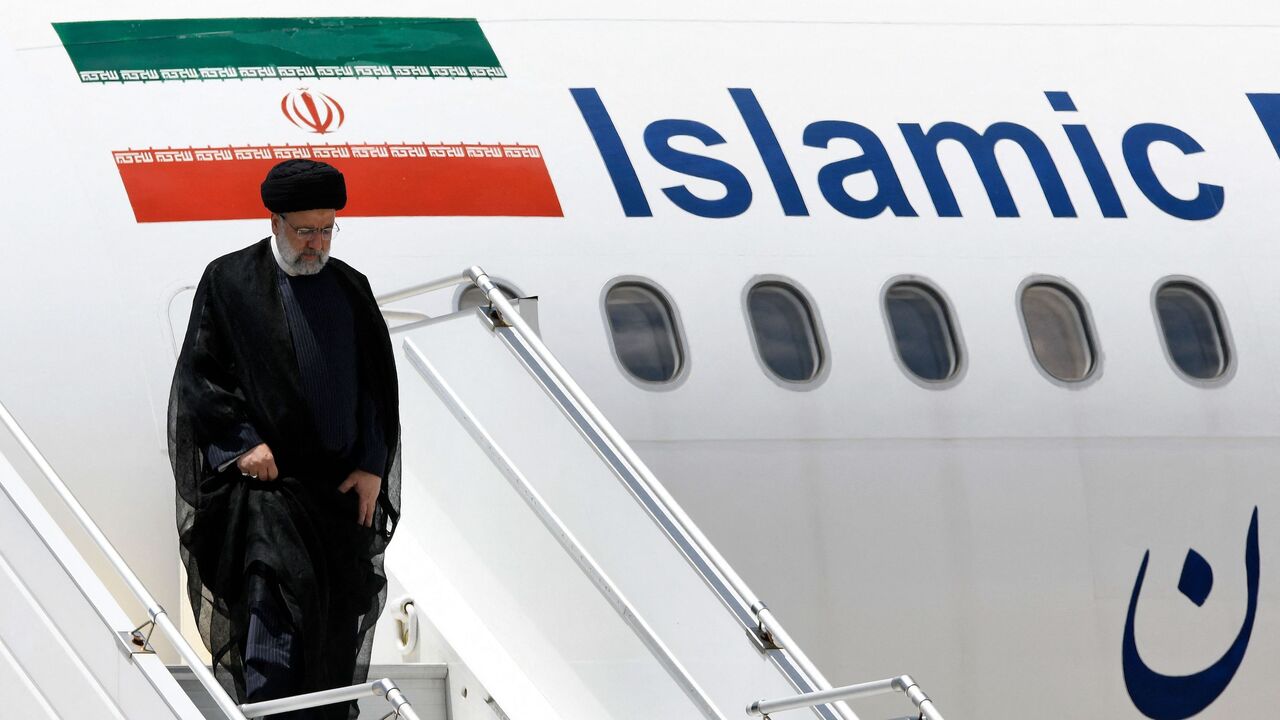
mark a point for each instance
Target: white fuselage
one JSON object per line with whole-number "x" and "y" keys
{"x": 983, "y": 534}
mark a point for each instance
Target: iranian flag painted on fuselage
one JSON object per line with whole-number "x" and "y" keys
{"x": 394, "y": 178}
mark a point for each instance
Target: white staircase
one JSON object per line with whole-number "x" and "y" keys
{"x": 557, "y": 577}
{"x": 61, "y": 653}
{"x": 563, "y": 555}
{"x": 67, "y": 648}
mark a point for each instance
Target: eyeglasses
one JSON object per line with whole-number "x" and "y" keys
{"x": 309, "y": 232}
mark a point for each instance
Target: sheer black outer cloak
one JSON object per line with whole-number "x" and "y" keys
{"x": 237, "y": 363}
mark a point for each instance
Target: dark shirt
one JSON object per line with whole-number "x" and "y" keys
{"x": 320, "y": 320}
{"x": 319, "y": 317}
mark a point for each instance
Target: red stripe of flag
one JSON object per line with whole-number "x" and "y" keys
{"x": 376, "y": 187}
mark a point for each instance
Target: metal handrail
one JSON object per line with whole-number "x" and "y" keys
{"x": 414, "y": 319}
{"x": 160, "y": 618}
{"x": 379, "y": 688}
{"x": 902, "y": 684}
{"x": 420, "y": 288}
{"x": 770, "y": 630}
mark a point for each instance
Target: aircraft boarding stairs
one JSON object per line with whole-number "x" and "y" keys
{"x": 550, "y": 568}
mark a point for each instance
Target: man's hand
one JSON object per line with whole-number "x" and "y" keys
{"x": 367, "y": 486}
{"x": 258, "y": 463}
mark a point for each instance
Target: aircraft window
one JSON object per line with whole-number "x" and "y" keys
{"x": 1059, "y": 333}
{"x": 472, "y": 297}
{"x": 1192, "y": 329}
{"x": 644, "y": 332}
{"x": 922, "y": 331}
{"x": 785, "y": 332}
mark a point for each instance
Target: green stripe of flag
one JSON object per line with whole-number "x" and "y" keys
{"x": 243, "y": 48}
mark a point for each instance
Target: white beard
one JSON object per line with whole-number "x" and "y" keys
{"x": 306, "y": 262}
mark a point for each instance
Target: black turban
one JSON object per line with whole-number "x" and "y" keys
{"x": 295, "y": 185}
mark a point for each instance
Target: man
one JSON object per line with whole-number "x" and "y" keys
{"x": 284, "y": 437}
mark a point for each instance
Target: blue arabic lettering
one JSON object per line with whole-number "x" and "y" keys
{"x": 1176, "y": 697}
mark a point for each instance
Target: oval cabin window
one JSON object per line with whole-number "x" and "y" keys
{"x": 1192, "y": 330}
{"x": 1058, "y": 329}
{"x": 786, "y": 335}
{"x": 644, "y": 334}
{"x": 922, "y": 332}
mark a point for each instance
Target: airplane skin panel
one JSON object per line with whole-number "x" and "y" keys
{"x": 696, "y": 146}
{"x": 1012, "y": 558}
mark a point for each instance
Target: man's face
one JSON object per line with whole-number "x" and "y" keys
{"x": 303, "y": 238}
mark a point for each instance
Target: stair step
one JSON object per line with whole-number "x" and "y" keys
{"x": 424, "y": 684}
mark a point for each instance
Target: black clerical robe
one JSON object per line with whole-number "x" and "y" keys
{"x": 285, "y": 361}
